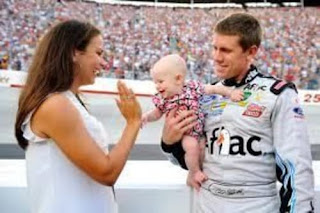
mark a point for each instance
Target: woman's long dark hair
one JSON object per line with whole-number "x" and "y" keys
{"x": 52, "y": 67}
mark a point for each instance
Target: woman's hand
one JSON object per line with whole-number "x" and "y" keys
{"x": 176, "y": 124}
{"x": 128, "y": 104}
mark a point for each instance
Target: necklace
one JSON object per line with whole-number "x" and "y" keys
{"x": 81, "y": 102}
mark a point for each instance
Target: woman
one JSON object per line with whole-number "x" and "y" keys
{"x": 69, "y": 168}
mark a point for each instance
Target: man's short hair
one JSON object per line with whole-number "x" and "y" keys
{"x": 246, "y": 26}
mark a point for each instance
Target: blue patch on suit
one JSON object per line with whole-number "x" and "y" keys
{"x": 215, "y": 112}
{"x": 207, "y": 98}
{"x": 298, "y": 111}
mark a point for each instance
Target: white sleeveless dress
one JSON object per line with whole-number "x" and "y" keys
{"x": 55, "y": 184}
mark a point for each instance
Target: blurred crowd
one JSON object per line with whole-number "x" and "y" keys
{"x": 135, "y": 37}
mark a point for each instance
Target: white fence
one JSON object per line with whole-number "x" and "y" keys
{"x": 141, "y": 88}
{"x": 143, "y": 187}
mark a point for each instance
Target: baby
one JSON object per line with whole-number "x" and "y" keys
{"x": 174, "y": 91}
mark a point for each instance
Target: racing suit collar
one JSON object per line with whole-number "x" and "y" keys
{"x": 251, "y": 74}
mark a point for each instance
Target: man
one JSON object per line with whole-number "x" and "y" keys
{"x": 253, "y": 143}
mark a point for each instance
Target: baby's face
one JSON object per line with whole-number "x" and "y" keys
{"x": 166, "y": 83}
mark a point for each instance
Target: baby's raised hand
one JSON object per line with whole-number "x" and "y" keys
{"x": 236, "y": 95}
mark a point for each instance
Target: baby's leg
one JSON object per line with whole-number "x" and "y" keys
{"x": 202, "y": 145}
{"x": 192, "y": 157}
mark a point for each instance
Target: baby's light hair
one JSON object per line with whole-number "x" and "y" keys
{"x": 172, "y": 62}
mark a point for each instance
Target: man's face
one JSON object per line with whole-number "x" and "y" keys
{"x": 230, "y": 61}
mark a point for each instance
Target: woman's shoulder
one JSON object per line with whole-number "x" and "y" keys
{"x": 56, "y": 111}
{"x": 56, "y": 101}
{"x": 56, "y": 104}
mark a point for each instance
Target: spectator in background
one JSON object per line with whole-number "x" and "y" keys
{"x": 4, "y": 62}
{"x": 145, "y": 34}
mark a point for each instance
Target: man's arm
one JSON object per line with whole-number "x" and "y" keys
{"x": 175, "y": 126}
{"x": 174, "y": 153}
{"x": 293, "y": 155}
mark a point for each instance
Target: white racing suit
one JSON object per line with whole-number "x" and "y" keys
{"x": 250, "y": 145}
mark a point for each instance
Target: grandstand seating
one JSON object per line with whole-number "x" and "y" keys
{"x": 135, "y": 37}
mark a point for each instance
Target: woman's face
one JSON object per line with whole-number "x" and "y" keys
{"x": 88, "y": 63}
